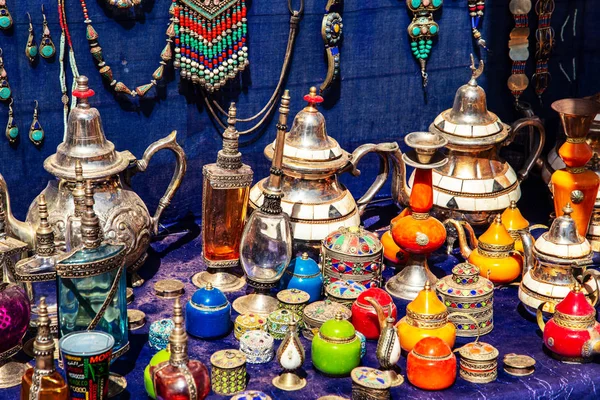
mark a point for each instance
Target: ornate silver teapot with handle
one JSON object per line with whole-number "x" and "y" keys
{"x": 476, "y": 183}
{"x": 122, "y": 212}
{"x": 313, "y": 197}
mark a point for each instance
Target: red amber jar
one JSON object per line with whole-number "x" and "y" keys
{"x": 431, "y": 365}
{"x": 364, "y": 316}
{"x": 572, "y": 333}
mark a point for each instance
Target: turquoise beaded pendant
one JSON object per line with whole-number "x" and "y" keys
{"x": 36, "y": 132}
{"x": 12, "y": 130}
{"x": 422, "y": 30}
{"x": 31, "y": 49}
{"x": 6, "y": 20}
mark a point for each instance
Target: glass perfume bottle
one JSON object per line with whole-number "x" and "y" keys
{"x": 266, "y": 247}
{"x": 224, "y": 204}
{"x": 43, "y": 382}
{"x": 180, "y": 377}
{"x": 73, "y": 225}
{"x": 92, "y": 283}
{"x": 38, "y": 273}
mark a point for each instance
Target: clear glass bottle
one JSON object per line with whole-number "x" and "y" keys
{"x": 92, "y": 283}
{"x": 224, "y": 204}
{"x": 171, "y": 378}
{"x": 43, "y": 382}
{"x": 73, "y": 225}
{"x": 266, "y": 246}
{"x": 38, "y": 273}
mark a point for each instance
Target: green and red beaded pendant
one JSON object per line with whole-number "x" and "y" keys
{"x": 422, "y": 30}
{"x": 210, "y": 41}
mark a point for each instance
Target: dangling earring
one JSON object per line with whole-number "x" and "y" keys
{"x": 5, "y": 91}
{"x": 47, "y": 49}
{"x": 12, "y": 130}
{"x": 31, "y": 50}
{"x": 5, "y": 17}
{"x": 36, "y": 132}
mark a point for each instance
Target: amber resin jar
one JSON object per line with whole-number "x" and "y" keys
{"x": 575, "y": 183}
{"x": 494, "y": 253}
{"x": 431, "y": 365}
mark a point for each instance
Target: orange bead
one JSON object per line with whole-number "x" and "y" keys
{"x": 575, "y": 154}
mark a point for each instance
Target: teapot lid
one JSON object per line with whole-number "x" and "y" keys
{"x": 338, "y": 328}
{"x": 465, "y": 281}
{"x": 208, "y": 297}
{"x": 469, "y": 121}
{"x": 575, "y": 303}
{"x": 426, "y": 303}
{"x": 496, "y": 237}
{"x": 562, "y": 242}
{"x": 325, "y": 310}
{"x": 380, "y": 295}
{"x": 354, "y": 241}
{"x": 304, "y": 266}
{"x": 345, "y": 289}
{"x": 432, "y": 346}
{"x": 307, "y": 145}
{"x": 282, "y": 316}
{"x": 85, "y": 141}
{"x": 512, "y": 219}
{"x": 293, "y": 296}
{"x": 371, "y": 378}
{"x": 478, "y": 351}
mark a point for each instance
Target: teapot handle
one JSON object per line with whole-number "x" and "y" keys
{"x": 516, "y": 128}
{"x": 382, "y": 150}
{"x": 594, "y": 274}
{"x": 540, "y": 316}
{"x": 170, "y": 143}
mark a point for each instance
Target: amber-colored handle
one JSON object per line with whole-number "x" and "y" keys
{"x": 470, "y": 317}
{"x": 170, "y": 143}
{"x": 382, "y": 150}
{"x": 517, "y": 127}
{"x": 539, "y": 314}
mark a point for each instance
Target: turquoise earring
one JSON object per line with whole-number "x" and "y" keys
{"x": 36, "y": 132}
{"x": 6, "y": 20}
{"x": 31, "y": 50}
{"x": 12, "y": 130}
{"x": 47, "y": 49}
{"x": 5, "y": 91}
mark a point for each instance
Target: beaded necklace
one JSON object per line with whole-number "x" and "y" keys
{"x": 476, "y": 8}
{"x": 106, "y": 72}
{"x": 545, "y": 42}
{"x": 65, "y": 38}
{"x": 518, "y": 47}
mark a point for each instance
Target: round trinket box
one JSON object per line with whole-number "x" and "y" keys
{"x": 208, "y": 313}
{"x": 228, "y": 372}
{"x": 352, "y": 254}
{"x": 248, "y": 322}
{"x": 344, "y": 292}
{"x": 466, "y": 292}
{"x": 519, "y": 364}
{"x": 478, "y": 362}
{"x": 370, "y": 384}
{"x": 304, "y": 273}
{"x": 136, "y": 319}
{"x": 158, "y": 337}
{"x": 431, "y": 364}
{"x": 317, "y": 313}
{"x": 169, "y": 288}
{"x": 251, "y": 395}
{"x": 294, "y": 300}
{"x": 335, "y": 349}
{"x": 278, "y": 322}
{"x": 257, "y": 346}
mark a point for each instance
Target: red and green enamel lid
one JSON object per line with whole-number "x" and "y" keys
{"x": 354, "y": 241}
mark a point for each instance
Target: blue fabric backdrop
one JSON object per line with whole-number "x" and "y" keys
{"x": 380, "y": 96}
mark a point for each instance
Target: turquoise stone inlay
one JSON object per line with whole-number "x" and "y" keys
{"x": 37, "y": 135}
{"x": 4, "y": 22}
{"x": 4, "y": 93}
{"x": 416, "y": 30}
{"x": 33, "y": 51}
{"x": 415, "y": 3}
{"x": 433, "y": 29}
{"x": 47, "y": 51}
{"x": 437, "y": 3}
{"x": 13, "y": 132}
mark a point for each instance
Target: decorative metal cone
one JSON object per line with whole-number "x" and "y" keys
{"x": 576, "y": 115}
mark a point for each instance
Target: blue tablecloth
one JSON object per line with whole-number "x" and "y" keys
{"x": 177, "y": 256}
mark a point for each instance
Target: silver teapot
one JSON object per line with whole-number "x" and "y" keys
{"x": 122, "y": 212}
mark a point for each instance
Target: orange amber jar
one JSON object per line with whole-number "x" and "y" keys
{"x": 431, "y": 365}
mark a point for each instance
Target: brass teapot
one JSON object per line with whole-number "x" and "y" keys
{"x": 551, "y": 264}
{"x": 315, "y": 200}
{"x": 475, "y": 183}
{"x": 122, "y": 213}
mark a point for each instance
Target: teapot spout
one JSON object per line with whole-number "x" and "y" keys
{"x": 13, "y": 227}
{"x": 528, "y": 259}
{"x": 379, "y": 310}
{"x": 460, "y": 228}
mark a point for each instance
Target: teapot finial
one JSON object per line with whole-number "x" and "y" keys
{"x": 567, "y": 209}
{"x": 475, "y": 72}
{"x": 427, "y": 285}
{"x": 209, "y": 286}
{"x": 305, "y": 256}
{"x": 577, "y": 287}
{"x": 513, "y": 204}
{"x": 498, "y": 219}
{"x": 312, "y": 98}
{"x": 83, "y": 91}
{"x": 339, "y": 316}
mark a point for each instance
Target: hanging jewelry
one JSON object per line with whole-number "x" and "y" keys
{"x": 124, "y": 3}
{"x": 106, "y": 72}
{"x": 210, "y": 41}
{"x": 6, "y": 20}
{"x": 476, "y": 8}
{"x": 47, "y": 49}
{"x": 422, "y": 30}
{"x": 36, "y": 132}
{"x": 5, "y": 91}
{"x": 544, "y": 36}
{"x": 518, "y": 47}
{"x": 65, "y": 38}
{"x": 12, "y": 130}
{"x": 31, "y": 50}
{"x": 331, "y": 31}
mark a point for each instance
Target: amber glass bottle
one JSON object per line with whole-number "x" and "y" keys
{"x": 43, "y": 382}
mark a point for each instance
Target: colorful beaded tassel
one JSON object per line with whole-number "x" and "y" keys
{"x": 210, "y": 40}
